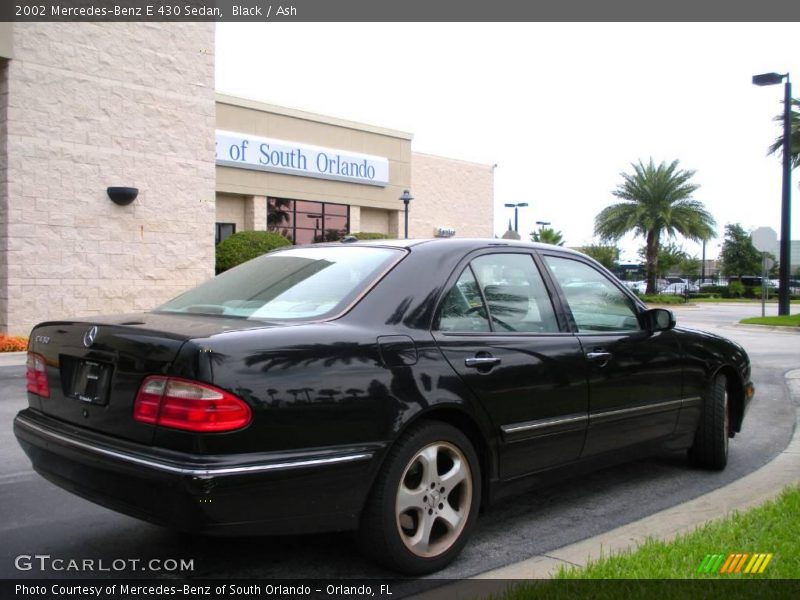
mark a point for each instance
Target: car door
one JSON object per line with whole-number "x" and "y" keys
{"x": 498, "y": 328}
{"x": 634, "y": 374}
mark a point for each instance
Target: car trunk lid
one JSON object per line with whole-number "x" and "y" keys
{"x": 94, "y": 368}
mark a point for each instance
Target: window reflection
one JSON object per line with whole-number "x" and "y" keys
{"x": 306, "y": 221}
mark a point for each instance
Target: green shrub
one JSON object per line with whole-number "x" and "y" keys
{"x": 716, "y": 290}
{"x": 246, "y": 245}
{"x": 736, "y": 289}
{"x": 367, "y": 235}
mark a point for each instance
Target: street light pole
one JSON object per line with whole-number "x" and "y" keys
{"x": 516, "y": 207}
{"x": 786, "y": 194}
{"x": 703, "y": 266}
{"x": 406, "y": 198}
{"x": 786, "y": 202}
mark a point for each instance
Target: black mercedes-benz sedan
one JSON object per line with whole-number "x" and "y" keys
{"x": 391, "y": 387}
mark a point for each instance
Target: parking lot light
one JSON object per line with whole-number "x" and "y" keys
{"x": 786, "y": 195}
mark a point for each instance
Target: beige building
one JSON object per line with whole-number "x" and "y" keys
{"x": 271, "y": 161}
{"x": 88, "y": 106}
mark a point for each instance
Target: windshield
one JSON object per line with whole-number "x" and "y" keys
{"x": 301, "y": 283}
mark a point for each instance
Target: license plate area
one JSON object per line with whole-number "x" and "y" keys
{"x": 86, "y": 380}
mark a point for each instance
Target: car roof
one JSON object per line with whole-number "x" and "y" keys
{"x": 451, "y": 244}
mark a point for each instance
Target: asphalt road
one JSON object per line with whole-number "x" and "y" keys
{"x": 39, "y": 518}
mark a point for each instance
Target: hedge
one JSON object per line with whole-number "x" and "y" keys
{"x": 366, "y": 235}
{"x": 246, "y": 245}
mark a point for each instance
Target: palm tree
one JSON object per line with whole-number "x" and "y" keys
{"x": 546, "y": 235}
{"x": 657, "y": 202}
{"x": 794, "y": 137}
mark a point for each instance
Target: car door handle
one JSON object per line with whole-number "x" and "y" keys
{"x": 478, "y": 362}
{"x": 599, "y": 356}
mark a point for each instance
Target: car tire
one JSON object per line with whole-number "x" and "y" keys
{"x": 710, "y": 448}
{"x": 424, "y": 502}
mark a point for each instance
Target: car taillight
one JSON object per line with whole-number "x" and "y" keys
{"x": 189, "y": 405}
{"x": 36, "y": 375}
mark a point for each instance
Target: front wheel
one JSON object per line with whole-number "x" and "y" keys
{"x": 424, "y": 502}
{"x": 710, "y": 448}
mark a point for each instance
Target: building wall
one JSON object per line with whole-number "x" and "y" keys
{"x": 450, "y": 193}
{"x": 95, "y": 105}
{"x": 374, "y": 220}
{"x": 231, "y": 209}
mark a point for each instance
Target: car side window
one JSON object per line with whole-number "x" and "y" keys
{"x": 463, "y": 308}
{"x": 515, "y": 293}
{"x": 596, "y": 303}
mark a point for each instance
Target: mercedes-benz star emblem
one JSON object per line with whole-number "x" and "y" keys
{"x": 89, "y": 336}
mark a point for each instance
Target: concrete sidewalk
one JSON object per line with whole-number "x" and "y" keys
{"x": 13, "y": 359}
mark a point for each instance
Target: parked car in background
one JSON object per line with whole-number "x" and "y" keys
{"x": 389, "y": 387}
{"x": 640, "y": 287}
{"x": 680, "y": 289}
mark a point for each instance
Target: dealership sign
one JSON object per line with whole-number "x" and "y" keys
{"x": 292, "y": 158}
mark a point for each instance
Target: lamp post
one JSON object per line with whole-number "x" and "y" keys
{"x": 542, "y": 224}
{"x": 516, "y": 208}
{"x": 786, "y": 196}
{"x": 406, "y": 198}
{"x": 703, "y": 265}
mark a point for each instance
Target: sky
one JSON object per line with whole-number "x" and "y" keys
{"x": 561, "y": 108}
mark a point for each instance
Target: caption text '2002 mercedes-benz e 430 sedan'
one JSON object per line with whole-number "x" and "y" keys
{"x": 388, "y": 387}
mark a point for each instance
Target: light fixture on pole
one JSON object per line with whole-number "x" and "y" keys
{"x": 406, "y": 198}
{"x": 542, "y": 224}
{"x": 786, "y": 196}
{"x": 516, "y": 208}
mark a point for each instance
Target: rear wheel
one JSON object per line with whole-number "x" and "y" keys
{"x": 710, "y": 448}
{"x": 424, "y": 502}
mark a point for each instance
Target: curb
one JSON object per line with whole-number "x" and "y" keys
{"x": 792, "y": 329}
{"x": 13, "y": 359}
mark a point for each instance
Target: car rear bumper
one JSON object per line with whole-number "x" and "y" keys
{"x": 266, "y": 493}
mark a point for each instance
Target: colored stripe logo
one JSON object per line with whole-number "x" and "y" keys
{"x": 735, "y": 562}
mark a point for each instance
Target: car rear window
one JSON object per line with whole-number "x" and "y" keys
{"x": 300, "y": 283}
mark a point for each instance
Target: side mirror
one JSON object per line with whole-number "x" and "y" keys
{"x": 659, "y": 319}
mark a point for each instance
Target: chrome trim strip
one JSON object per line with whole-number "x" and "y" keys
{"x": 647, "y": 408}
{"x": 541, "y": 424}
{"x": 692, "y": 401}
{"x": 198, "y": 472}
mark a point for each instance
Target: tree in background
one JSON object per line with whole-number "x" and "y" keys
{"x": 670, "y": 258}
{"x": 739, "y": 256}
{"x": 673, "y": 259}
{"x": 657, "y": 202}
{"x": 794, "y": 140}
{"x": 690, "y": 267}
{"x": 547, "y": 235}
{"x": 606, "y": 255}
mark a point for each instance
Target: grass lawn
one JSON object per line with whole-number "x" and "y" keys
{"x": 785, "y": 321}
{"x": 773, "y": 528}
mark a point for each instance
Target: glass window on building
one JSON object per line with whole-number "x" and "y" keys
{"x": 308, "y": 222}
{"x": 224, "y": 231}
